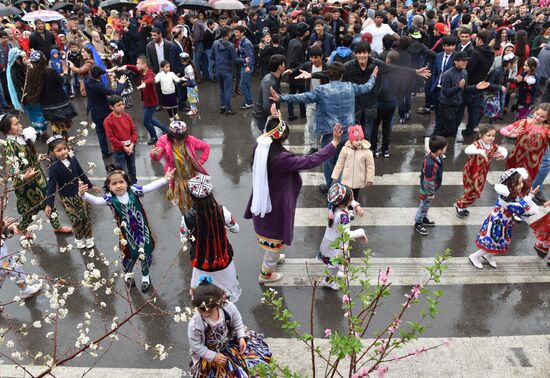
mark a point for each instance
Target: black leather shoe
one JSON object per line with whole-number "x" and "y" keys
{"x": 152, "y": 142}
{"x": 323, "y": 188}
{"x": 230, "y": 113}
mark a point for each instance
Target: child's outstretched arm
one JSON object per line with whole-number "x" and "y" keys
{"x": 230, "y": 221}
{"x": 157, "y": 184}
{"x": 83, "y": 192}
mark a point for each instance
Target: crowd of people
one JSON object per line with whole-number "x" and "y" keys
{"x": 350, "y": 67}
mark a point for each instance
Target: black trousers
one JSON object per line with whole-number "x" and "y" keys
{"x": 450, "y": 116}
{"x": 383, "y": 116}
{"x": 293, "y": 89}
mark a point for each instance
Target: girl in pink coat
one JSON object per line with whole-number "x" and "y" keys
{"x": 180, "y": 152}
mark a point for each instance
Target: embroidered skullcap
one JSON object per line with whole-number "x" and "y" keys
{"x": 178, "y": 127}
{"x": 184, "y": 55}
{"x": 113, "y": 45}
{"x": 507, "y": 176}
{"x": 54, "y": 138}
{"x": 200, "y": 186}
{"x": 508, "y": 57}
{"x": 278, "y": 131}
{"x": 35, "y": 56}
{"x": 336, "y": 193}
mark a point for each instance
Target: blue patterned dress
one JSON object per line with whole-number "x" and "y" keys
{"x": 495, "y": 234}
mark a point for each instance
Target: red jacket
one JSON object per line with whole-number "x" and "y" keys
{"x": 120, "y": 130}
{"x": 149, "y": 93}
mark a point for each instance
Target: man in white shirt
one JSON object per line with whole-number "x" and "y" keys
{"x": 378, "y": 31}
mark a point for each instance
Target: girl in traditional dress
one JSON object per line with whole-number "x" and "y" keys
{"x": 64, "y": 173}
{"x": 168, "y": 98}
{"x": 33, "y": 94}
{"x": 532, "y": 136}
{"x": 135, "y": 238}
{"x": 528, "y": 86}
{"x": 180, "y": 153}
{"x": 495, "y": 234}
{"x": 480, "y": 153}
{"x": 275, "y": 188}
{"x": 29, "y": 182}
{"x": 211, "y": 252}
{"x": 340, "y": 198}
{"x": 220, "y": 345}
{"x": 191, "y": 78}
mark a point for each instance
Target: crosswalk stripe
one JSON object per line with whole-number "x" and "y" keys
{"x": 406, "y": 178}
{"x": 13, "y": 371}
{"x": 407, "y": 127}
{"x": 510, "y": 356}
{"x": 394, "y": 216}
{"x": 412, "y": 270}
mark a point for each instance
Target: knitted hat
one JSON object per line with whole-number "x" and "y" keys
{"x": 355, "y": 132}
{"x": 200, "y": 186}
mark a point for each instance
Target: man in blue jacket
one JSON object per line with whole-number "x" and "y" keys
{"x": 98, "y": 103}
{"x": 335, "y": 104}
{"x": 224, "y": 54}
{"x": 246, "y": 53}
{"x": 322, "y": 39}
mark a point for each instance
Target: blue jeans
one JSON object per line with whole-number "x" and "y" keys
{"x": 543, "y": 170}
{"x": 210, "y": 63}
{"x": 225, "y": 82}
{"x": 328, "y": 165}
{"x": 3, "y": 101}
{"x": 128, "y": 163}
{"x": 101, "y": 137}
{"x": 422, "y": 211}
{"x": 245, "y": 85}
{"x": 149, "y": 122}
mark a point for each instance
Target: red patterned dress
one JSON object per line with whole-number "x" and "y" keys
{"x": 530, "y": 147}
{"x": 475, "y": 171}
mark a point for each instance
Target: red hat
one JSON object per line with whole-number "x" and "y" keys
{"x": 295, "y": 13}
{"x": 441, "y": 28}
{"x": 355, "y": 132}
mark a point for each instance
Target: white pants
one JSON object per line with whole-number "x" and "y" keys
{"x": 271, "y": 259}
{"x": 309, "y": 136}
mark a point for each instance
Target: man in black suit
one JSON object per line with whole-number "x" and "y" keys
{"x": 465, "y": 35}
{"x": 157, "y": 50}
{"x": 41, "y": 39}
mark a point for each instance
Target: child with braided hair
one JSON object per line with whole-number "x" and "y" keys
{"x": 206, "y": 224}
{"x": 340, "y": 199}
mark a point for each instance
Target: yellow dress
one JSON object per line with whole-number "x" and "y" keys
{"x": 185, "y": 170}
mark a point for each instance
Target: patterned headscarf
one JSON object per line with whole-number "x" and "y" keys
{"x": 13, "y": 55}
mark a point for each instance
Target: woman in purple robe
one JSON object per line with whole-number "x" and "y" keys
{"x": 275, "y": 188}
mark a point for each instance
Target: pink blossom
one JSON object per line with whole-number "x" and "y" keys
{"x": 328, "y": 332}
{"x": 355, "y": 375}
{"x": 415, "y": 291}
{"x": 419, "y": 350}
{"x": 397, "y": 323}
{"x": 395, "y": 357}
{"x": 446, "y": 343}
{"x": 391, "y": 330}
{"x": 345, "y": 299}
{"x": 381, "y": 371}
{"x": 347, "y": 314}
{"x": 407, "y": 305}
{"x": 384, "y": 276}
{"x": 363, "y": 372}
{"x": 381, "y": 348}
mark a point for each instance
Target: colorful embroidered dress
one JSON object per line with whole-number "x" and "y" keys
{"x": 530, "y": 147}
{"x": 475, "y": 173}
{"x": 495, "y": 234}
{"x": 30, "y": 194}
{"x": 136, "y": 230}
{"x": 219, "y": 338}
{"x": 184, "y": 171}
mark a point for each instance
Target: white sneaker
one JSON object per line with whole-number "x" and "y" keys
{"x": 90, "y": 243}
{"x": 491, "y": 260}
{"x": 331, "y": 285}
{"x": 282, "y": 257}
{"x": 273, "y": 277}
{"x": 29, "y": 291}
{"x": 475, "y": 262}
{"x": 80, "y": 243}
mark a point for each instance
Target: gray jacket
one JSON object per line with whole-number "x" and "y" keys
{"x": 543, "y": 69}
{"x": 196, "y": 332}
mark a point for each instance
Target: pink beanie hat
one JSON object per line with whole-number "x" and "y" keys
{"x": 355, "y": 132}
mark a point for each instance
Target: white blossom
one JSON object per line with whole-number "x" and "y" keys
{"x": 37, "y": 324}
{"x": 81, "y": 143}
{"x": 10, "y": 344}
{"x": 84, "y": 133}
{"x": 92, "y": 126}
{"x": 83, "y": 123}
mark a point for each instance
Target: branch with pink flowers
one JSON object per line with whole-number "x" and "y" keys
{"x": 347, "y": 356}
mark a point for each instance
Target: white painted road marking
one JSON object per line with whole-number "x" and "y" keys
{"x": 412, "y": 270}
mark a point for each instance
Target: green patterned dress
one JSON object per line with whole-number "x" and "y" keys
{"x": 30, "y": 194}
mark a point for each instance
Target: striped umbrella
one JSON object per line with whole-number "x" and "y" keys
{"x": 156, "y": 6}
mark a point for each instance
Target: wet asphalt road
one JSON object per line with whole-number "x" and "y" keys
{"x": 466, "y": 310}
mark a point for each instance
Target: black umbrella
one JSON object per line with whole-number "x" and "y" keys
{"x": 194, "y": 4}
{"x": 9, "y": 11}
{"x": 67, "y": 7}
{"x": 24, "y": 1}
{"x": 117, "y": 4}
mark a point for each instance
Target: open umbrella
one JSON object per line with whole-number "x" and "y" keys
{"x": 44, "y": 15}
{"x": 117, "y": 4}
{"x": 228, "y": 4}
{"x": 64, "y": 6}
{"x": 9, "y": 11}
{"x": 156, "y": 6}
{"x": 194, "y": 4}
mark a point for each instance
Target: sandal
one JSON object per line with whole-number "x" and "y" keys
{"x": 63, "y": 230}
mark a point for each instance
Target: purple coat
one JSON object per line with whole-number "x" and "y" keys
{"x": 284, "y": 186}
